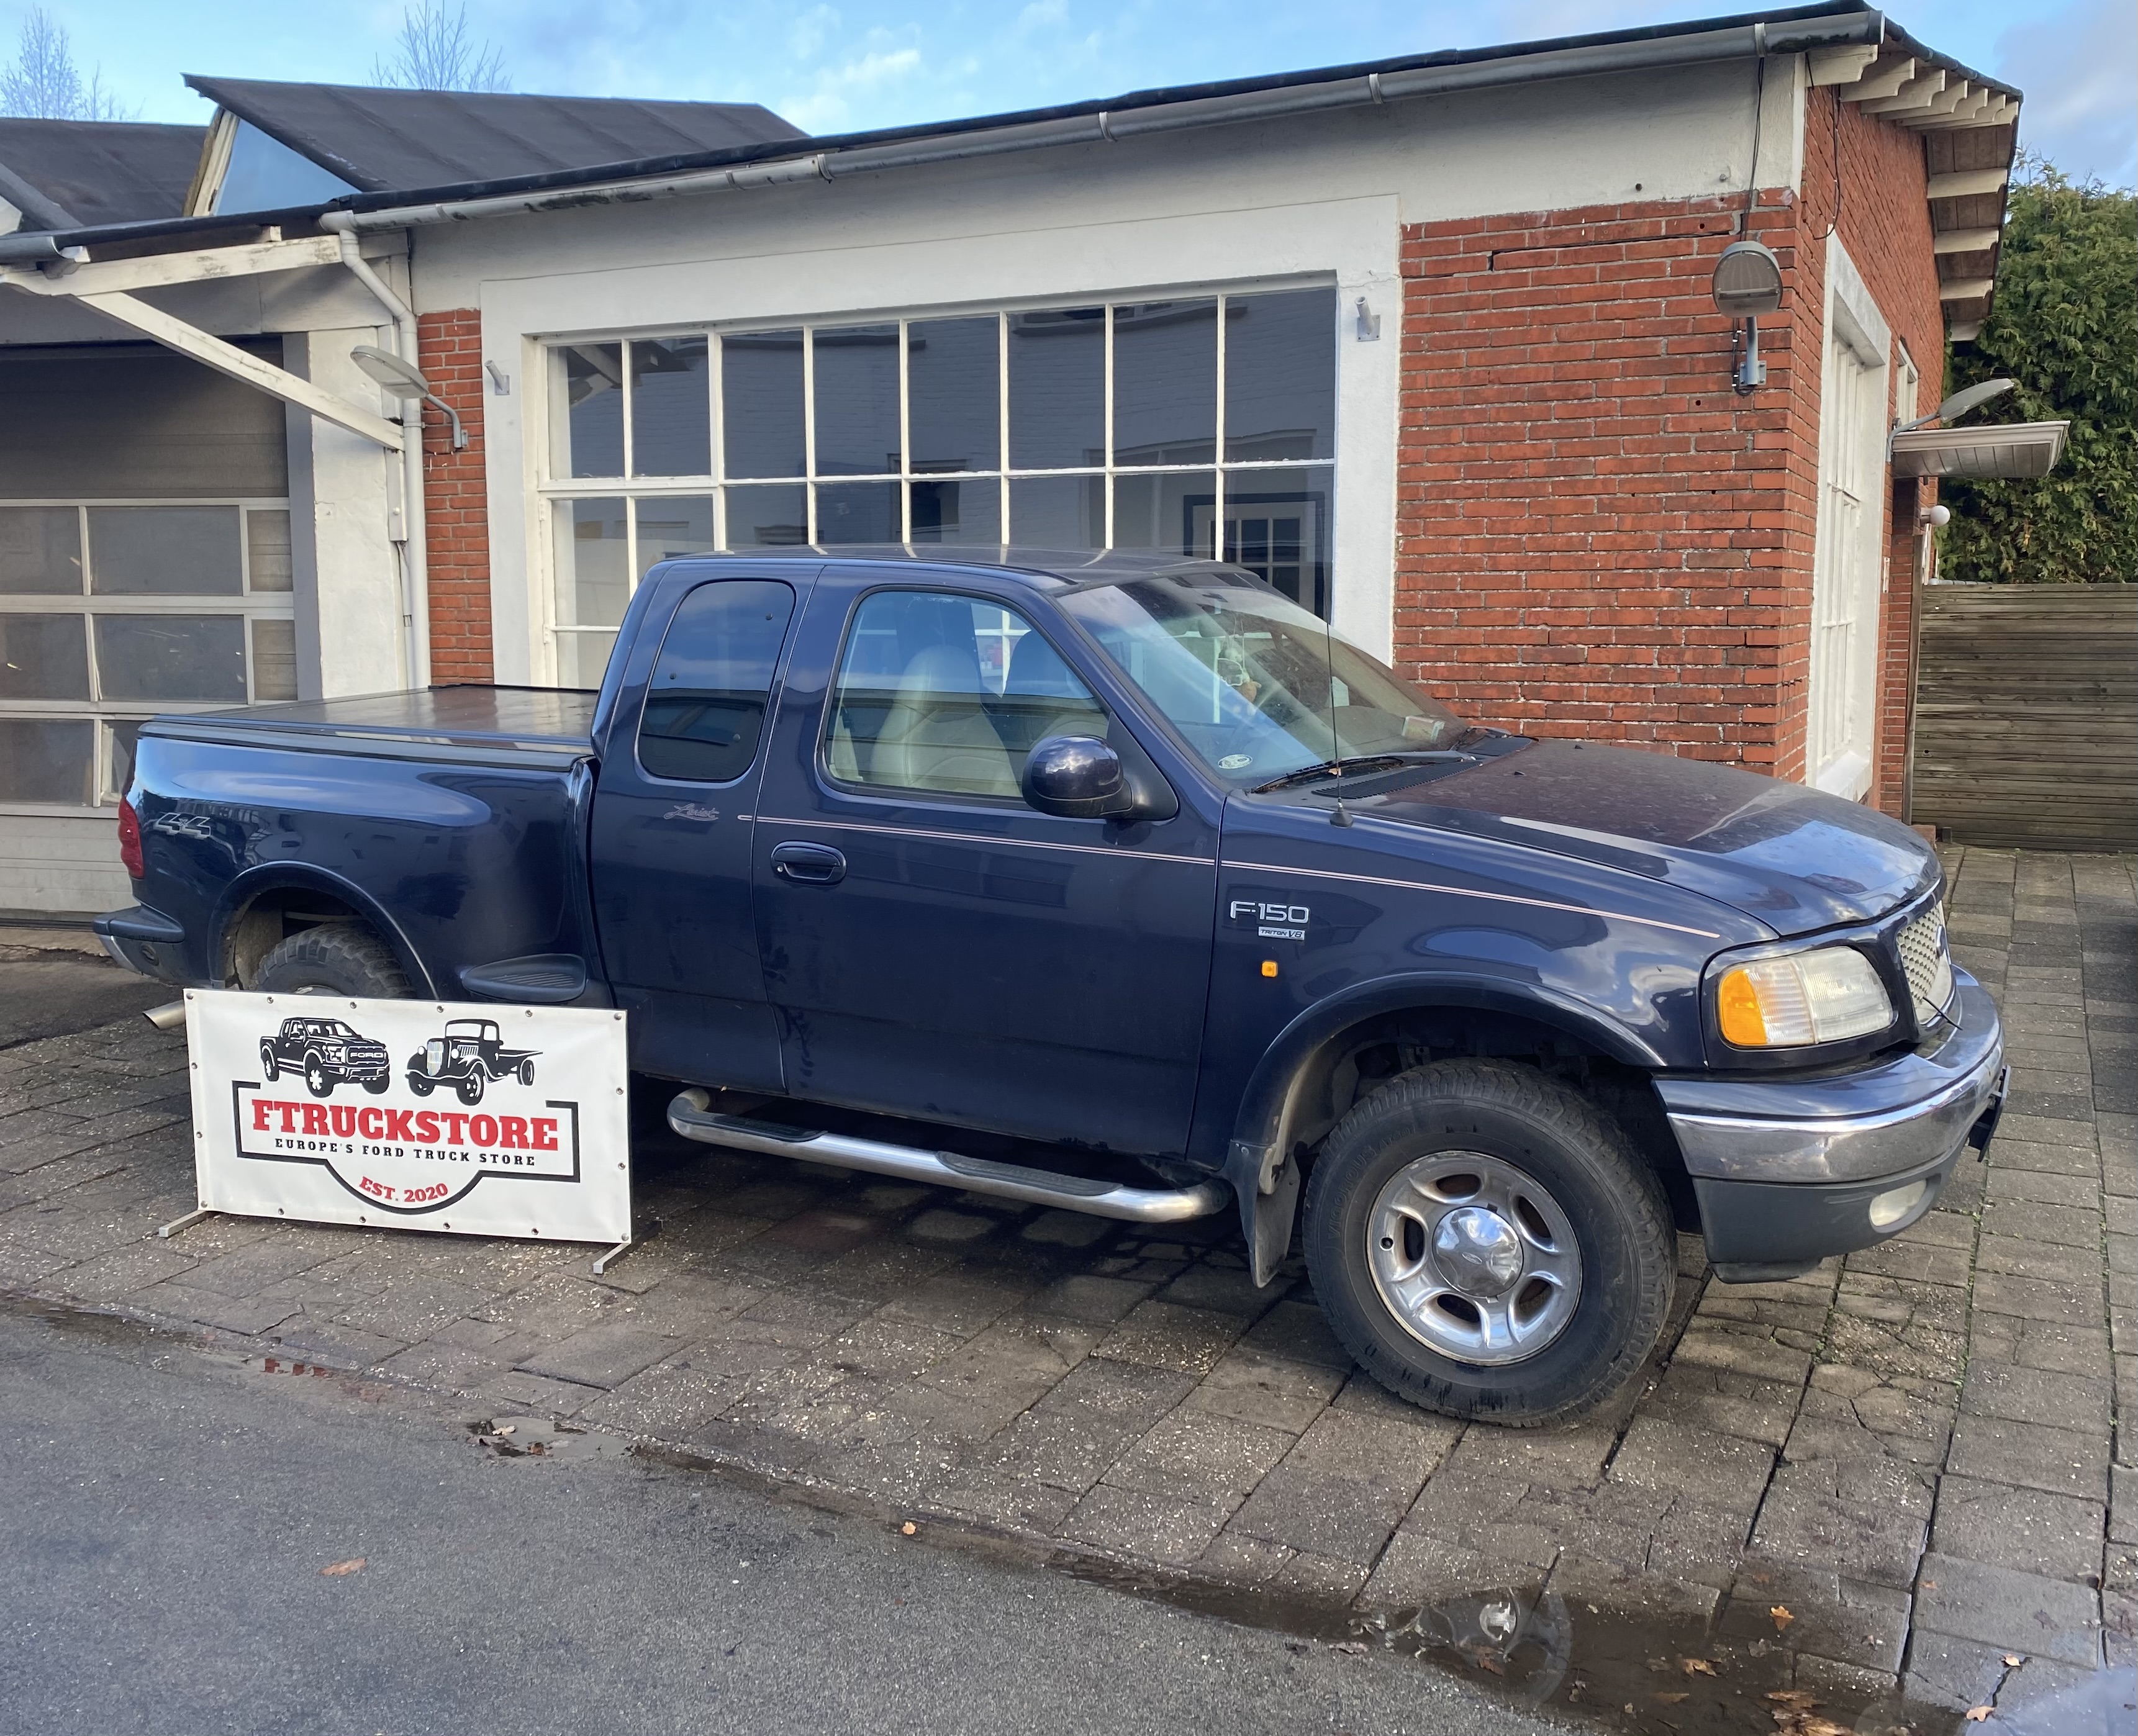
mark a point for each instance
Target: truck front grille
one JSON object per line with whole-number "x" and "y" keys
{"x": 1927, "y": 963}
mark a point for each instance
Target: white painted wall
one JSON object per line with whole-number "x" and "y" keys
{"x": 1318, "y": 198}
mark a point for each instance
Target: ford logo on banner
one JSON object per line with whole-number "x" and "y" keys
{"x": 483, "y": 1120}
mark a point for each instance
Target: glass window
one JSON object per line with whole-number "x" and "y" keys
{"x": 124, "y": 733}
{"x": 265, "y": 174}
{"x": 590, "y": 383}
{"x": 40, "y": 551}
{"x": 274, "y": 660}
{"x": 704, "y": 706}
{"x": 1058, "y": 388}
{"x": 949, "y": 694}
{"x": 1276, "y": 526}
{"x": 953, "y": 394}
{"x": 858, "y": 512}
{"x": 1280, "y": 375}
{"x": 171, "y": 657}
{"x": 43, "y": 760}
{"x": 762, "y": 425}
{"x": 1058, "y": 512}
{"x": 769, "y": 518}
{"x": 1165, "y": 382}
{"x": 43, "y": 657}
{"x": 169, "y": 551}
{"x": 672, "y": 407}
{"x": 855, "y": 369}
{"x": 1170, "y": 510}
{"x": 671, "y": 528}
{"x": 270, "y": 565}
{"x": 593, "y": 568}
{"x": 963, "y": 510}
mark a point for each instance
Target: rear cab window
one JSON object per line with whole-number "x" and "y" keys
{"x": 705, "y": 701}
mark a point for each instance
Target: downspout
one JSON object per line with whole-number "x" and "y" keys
{"x": 415, "y": 556}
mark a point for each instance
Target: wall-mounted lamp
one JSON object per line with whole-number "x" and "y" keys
{"x": 1933, "y": 517}
{"x": 1747, "y": 283}
{"x": 404, "y": 381}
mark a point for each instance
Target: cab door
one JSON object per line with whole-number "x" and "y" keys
{"x": 672, "y": 819}
{"x": 934, "y": 947}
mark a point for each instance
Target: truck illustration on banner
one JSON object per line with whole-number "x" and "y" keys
{"x": 468, "y": 1056}
{"x": 328, "y": 1053}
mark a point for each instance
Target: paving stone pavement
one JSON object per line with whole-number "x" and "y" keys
{"x": 1920, "y": 1452}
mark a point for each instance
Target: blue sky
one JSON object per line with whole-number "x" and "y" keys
{"x": 834, "y": 66}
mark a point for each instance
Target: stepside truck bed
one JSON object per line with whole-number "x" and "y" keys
{"x": 452, "y": 820}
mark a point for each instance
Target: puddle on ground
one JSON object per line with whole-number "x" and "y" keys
{"x": 1651, "y": 1674}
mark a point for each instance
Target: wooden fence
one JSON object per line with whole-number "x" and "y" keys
{"x": 2027, "y": 715}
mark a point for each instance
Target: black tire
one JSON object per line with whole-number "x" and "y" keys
{"x": 470, "y": 1089}
{"x": 378, "y": 1087}
{"x": 270, "y": 1069}
{"x": 318, "y": 1080}
{"x": 1581, "y": 1157}
{"x": 338, "y": 958}
{"x": 419, "y": 1083}
{"x": 527, "y": 1072}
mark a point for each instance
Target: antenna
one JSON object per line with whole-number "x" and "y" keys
{"x": 1342, "y": 816}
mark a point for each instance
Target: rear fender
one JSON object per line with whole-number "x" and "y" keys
{"x": 1260, "y": 1163}
{"x": 241, "y": 894}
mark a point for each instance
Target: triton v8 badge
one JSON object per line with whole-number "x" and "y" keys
{"x": 1273, "y": 922}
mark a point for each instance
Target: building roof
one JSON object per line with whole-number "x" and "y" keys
{"x": 73, "y": 174}
{"x": 377, "y": 139}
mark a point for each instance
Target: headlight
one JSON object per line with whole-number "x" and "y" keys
{"x": 1820, "y": 997}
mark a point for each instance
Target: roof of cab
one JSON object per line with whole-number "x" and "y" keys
{"x": 1067, "y": 566}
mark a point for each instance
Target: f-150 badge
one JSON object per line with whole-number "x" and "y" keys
{"x": 1272, "y": 921}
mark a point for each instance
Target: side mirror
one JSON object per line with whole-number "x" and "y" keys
{"x": 1077, "y": 778}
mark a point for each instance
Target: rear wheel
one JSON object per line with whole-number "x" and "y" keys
{"x": 1488, "y": 1243}
{"x": 337, "y": 959}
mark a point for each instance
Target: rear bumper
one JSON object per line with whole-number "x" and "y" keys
{"x": 146, "y": 941}
{"x": 1836, "y": 1164}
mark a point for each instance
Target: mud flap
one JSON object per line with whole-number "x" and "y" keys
{"x": 1267, "y": 1189}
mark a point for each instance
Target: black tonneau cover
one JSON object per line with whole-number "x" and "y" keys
{"x": 525, "y": 726}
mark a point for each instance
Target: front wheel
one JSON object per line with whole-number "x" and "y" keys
{"x": 470, "y": 1089}
{"x": 318, "y": 1080}
{"x": 418, "y": 1083}
{"x": 378, "y": 1087}
{"x": 270, "y": 1068}
{"x": 1488, "y": 1243}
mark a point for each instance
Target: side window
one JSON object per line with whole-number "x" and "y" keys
{"x": 949, "y": 694}
{"x": 704, "y": 707}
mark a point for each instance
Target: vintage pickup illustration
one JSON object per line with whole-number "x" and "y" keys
{"x": 468, "y": 1056}
{"x": 328, "y": 1053}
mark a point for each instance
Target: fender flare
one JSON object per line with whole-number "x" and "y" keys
{"x": 1258, "y": 1161}
{"x": 242, "y": 892}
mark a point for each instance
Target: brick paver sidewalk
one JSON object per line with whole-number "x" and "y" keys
{"x": 1918, "y": 1456}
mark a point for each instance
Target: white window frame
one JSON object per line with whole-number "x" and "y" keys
{"x": 247, "y": 603}
{"x": 551, "y": 489}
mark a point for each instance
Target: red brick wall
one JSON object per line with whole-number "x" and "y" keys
{"x": 1596, "y": 536}
{"x": 455, "y": 499}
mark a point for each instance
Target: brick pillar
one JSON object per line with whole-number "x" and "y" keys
{"x": 456, "y": 500}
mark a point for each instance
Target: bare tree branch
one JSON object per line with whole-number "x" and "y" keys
{"x": 433, "y": 52}
{"x": 43, "y": 82}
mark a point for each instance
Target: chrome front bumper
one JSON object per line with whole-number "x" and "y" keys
{"x": 1882, "y": 1121}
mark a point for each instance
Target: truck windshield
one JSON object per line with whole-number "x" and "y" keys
{"x": 1256, "y": 684}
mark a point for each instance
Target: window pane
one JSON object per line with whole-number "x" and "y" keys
{"x": 167, "y": 550}
{"x": 171, "y": 657}
{"x": 954, "y": 393}
{"x": 1165, "y": 382}
{"x": 590, "y": 394}
{"x": 40, "y": 551}
{"x": 1280, "y": 375}
{"x": 267, "y": 550}
{"x": 43, "y": 657}
{"x": 124, "y": 732}
{"x": 672, "y": 407}
{"x": 593, "y": 575}
{"x": 858, "y": 512}
{"x": 583, "y": 658}
{"x": 704, "y": 707}
{"x": 1172, "y": 512}
{"x": 1058, "y": 512}
{"x": 1058, "y": 388}
{"x": 857, "y": 382}
{"x": 761, "y": 403}
{"x": 1277, "y": 524}
{"x": 42, "y": 761}
{"x": 967, "y": 510}
{"x": 769, "y": 518}
{"x": 274, "y": 660}
{"x": 948, "y": 693}
{"x": 670, "y": 529}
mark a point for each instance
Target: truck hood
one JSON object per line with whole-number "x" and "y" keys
{"x": 1789, "y": 856}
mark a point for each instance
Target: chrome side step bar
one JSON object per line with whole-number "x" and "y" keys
{"x": 690, "y": 1115}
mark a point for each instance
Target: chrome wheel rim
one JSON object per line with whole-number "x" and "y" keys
{"x": 1474, "y": 1258}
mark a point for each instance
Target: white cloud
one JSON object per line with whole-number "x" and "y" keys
{"x": 827, "y": 105}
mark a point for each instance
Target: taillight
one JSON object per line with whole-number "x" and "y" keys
{"x": 129, "y": 840}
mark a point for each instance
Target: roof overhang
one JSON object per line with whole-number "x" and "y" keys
{"x": 1980, "y": 453}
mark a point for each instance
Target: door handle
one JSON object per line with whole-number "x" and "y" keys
{"x": 809, "y": 865}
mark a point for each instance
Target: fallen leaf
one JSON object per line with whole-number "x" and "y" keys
{"x": 1975, "y": 1714}
{"x": 1672, "y": 1700}
{"x": 1930, "y": 1585}
{"x": 1696, "y": 1666}
{"x": 334, "y": 1570}
{"x": 908, "y": 1528}
{"x": 1795, "y": 1699}
{"x": 1781, "y": 1615}
{"x": 508, "y": 1428}
{"x": 2013, "y": 1660}
{"x": 1354, "y": 1648}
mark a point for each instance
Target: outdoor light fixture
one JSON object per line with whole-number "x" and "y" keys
{"x": 1959, "y": 403}
{"x": 402, "y": 380}
{"x": 1747, "y": 283}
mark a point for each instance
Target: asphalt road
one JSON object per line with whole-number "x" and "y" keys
{"x": 52, "y": 993}
{"x": 165, "y": 1514}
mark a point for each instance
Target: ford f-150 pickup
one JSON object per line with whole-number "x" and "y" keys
{"x": 1130, "y": 856}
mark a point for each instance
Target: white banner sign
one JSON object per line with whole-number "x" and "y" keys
{"x": 484, "y": 1120}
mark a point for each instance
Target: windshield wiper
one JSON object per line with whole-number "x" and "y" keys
{"x": 1335, "y": 769}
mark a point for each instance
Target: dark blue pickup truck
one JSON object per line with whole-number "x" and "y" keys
{"x": 1130, "y": 856}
